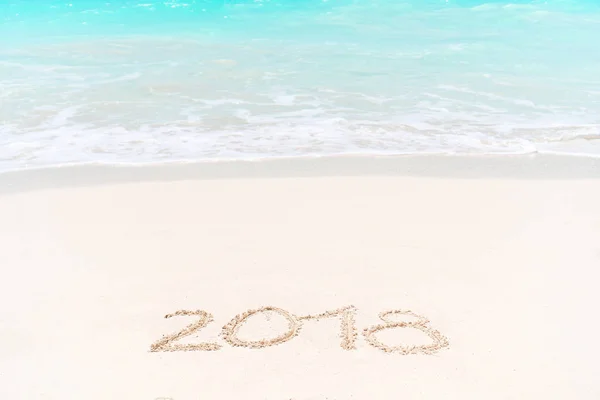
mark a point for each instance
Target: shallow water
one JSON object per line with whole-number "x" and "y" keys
{"x": 145, "y": 81}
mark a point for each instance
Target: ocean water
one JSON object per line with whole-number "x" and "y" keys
{"x": 142, "y": 81}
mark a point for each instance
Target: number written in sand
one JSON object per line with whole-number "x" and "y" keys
{"x": 347, "y": 327}
{"x": 166, "y": 342}
{"x": 439, "y": 341}
{"x": 231, "y": 329}
{"x": 347, "y": 331}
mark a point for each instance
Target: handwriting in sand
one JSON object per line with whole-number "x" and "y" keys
{"x": 348, "y": 332}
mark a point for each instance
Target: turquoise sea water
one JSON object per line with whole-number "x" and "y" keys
{"x": 147, "y": 81}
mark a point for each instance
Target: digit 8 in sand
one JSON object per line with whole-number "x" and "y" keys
{"x": 439, "y": 341}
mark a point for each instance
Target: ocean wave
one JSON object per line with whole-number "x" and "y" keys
{"x": 144, "y": 81}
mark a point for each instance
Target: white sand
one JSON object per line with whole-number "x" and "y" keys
{"x": 506, "y": 269}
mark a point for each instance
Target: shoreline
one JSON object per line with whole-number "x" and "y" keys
{"x": 543, "y": 167}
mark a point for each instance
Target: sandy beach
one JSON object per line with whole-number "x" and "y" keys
{"x": 478, "y": 280}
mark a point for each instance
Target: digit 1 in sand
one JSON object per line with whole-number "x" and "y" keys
{"x": 347, "y": 324}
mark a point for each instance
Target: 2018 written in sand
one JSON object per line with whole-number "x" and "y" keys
{"x": 348, "y": 331}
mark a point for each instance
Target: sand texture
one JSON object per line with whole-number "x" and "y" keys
{"x": 302, "y": 288}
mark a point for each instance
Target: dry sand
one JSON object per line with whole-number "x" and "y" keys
{"x": 332, "y": 287}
